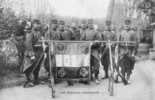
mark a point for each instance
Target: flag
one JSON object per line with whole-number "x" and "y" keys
{"x": 72, "y": 54}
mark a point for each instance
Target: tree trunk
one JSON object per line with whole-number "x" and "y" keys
{"x": 110, "y": 10}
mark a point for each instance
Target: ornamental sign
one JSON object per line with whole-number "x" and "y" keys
{"x": 72, "y": 59}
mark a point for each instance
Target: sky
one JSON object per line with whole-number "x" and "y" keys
{"x": 71, "y": 8}
{"x": 81, "y": 8}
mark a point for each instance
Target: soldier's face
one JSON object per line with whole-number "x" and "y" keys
{"x": 108, "y": 23}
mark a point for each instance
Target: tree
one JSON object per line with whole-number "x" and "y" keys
{"x": 8, "y": 20}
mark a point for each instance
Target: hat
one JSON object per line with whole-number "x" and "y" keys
{"x": 108, "y": 22}
{"x": 54, "y": 21}
{"x": 61, "y": 22}
{"x": 127, "y": 21}
{"x": 36, "y": 21}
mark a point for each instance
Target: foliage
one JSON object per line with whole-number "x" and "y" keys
{"x": 8, "y": 23}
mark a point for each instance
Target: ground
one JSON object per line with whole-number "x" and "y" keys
{"x": 141, "y": 87}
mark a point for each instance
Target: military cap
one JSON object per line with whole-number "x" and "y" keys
{"x": 36, "y": 21}
{"x": 90, "y": 26}
{"x": 61, "y": 22}
{"x": 61, "y": 28}
{"x": 108, "y": 22}
{"x": 127, "y": 21}
{"x": 54, "y": 21}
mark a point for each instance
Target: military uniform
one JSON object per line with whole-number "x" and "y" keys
{"x": 19, "y": 41}
{"x": 54, "y": 33}
{"x": 66, "y": 35}
{"x": 108, "y": 34}
{"x": 76, "y": 34}
{"x": 127, "y": 34}
{"x": 33, "y": 57}
{"x": 28, "y": 56}
{"x": 90, "y": 35}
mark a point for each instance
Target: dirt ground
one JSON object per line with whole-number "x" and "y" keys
{"x": 141, "y": 87}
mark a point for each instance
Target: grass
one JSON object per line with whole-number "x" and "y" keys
{"x": 10, "y": 76}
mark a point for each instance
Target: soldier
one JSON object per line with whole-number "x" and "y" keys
{"x": 33, "y": 55}
{"x": 109, "y": 33}
{"x": 127, "y": 51}
{"x": 53, "y": 31}
{"x": 19, "y": 41}
{"x": 128, "y": 34}
{"x": 75, "y": 33}
{"x": 90, "y": 35}
{"x": 66, "y": 34}
{"x": 29, "y": 57}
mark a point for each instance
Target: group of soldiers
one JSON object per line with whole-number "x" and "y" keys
{"x": 31, "y": 32}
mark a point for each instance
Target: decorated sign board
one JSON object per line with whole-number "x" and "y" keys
{"x": 72, "y": 60}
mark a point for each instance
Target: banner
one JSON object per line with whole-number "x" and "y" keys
{"x": 72, "y": 54}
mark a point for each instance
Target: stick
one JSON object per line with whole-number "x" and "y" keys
{"x": 111, "y": 88}
{"x": 96, "y": 41}
{"x": 51, "y": 74}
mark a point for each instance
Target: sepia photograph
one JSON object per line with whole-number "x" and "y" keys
{"x": 77, "y": 49}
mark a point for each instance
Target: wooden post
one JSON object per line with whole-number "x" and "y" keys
{"x": 110, "y": 10}
{"x": 51, "y": 70}
{"x": 153, "y": 39}
{"x": 111, "y": 76}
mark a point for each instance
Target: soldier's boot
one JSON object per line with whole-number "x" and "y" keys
{"x": 20, "y": 64}
{"x": 36, "y": 75}
{"x": 106, "y": 73}
{"x": 70, "y": 83}
{"x": 123, "y": 77}
{"x": 97, "y": 77}
{"x": 28, "y": 82}
{"x": 116, "y": 79}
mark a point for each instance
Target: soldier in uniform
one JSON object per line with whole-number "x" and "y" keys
{"x": 91, "y": 35}
{"x": 109, "y": 33}
{"x": 127, "y": 50}
{"x": 75, "y": 32}
{"x": 29, "y": 57}
{"x": 19, "y": 41}
{"x": 128, "y": 34}
{"x": 66, "y": 33}
{"x": 33, "y": 55}
{"x": 53, "y": 33}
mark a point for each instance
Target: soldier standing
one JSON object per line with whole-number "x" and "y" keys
{"x": 33, "y": 55}
{"x": 91, "y": 35}
{"x": 75, "y": 32}
{"x": 19, "y": 41}
{"x": 127, "y": 50}
{"x": 128, "y": 34}
{"x": 53, "y": 33}
{"x": 66, "y": 34}
{"x": 29, "y": 57}
{"x": 109, "y": 33}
